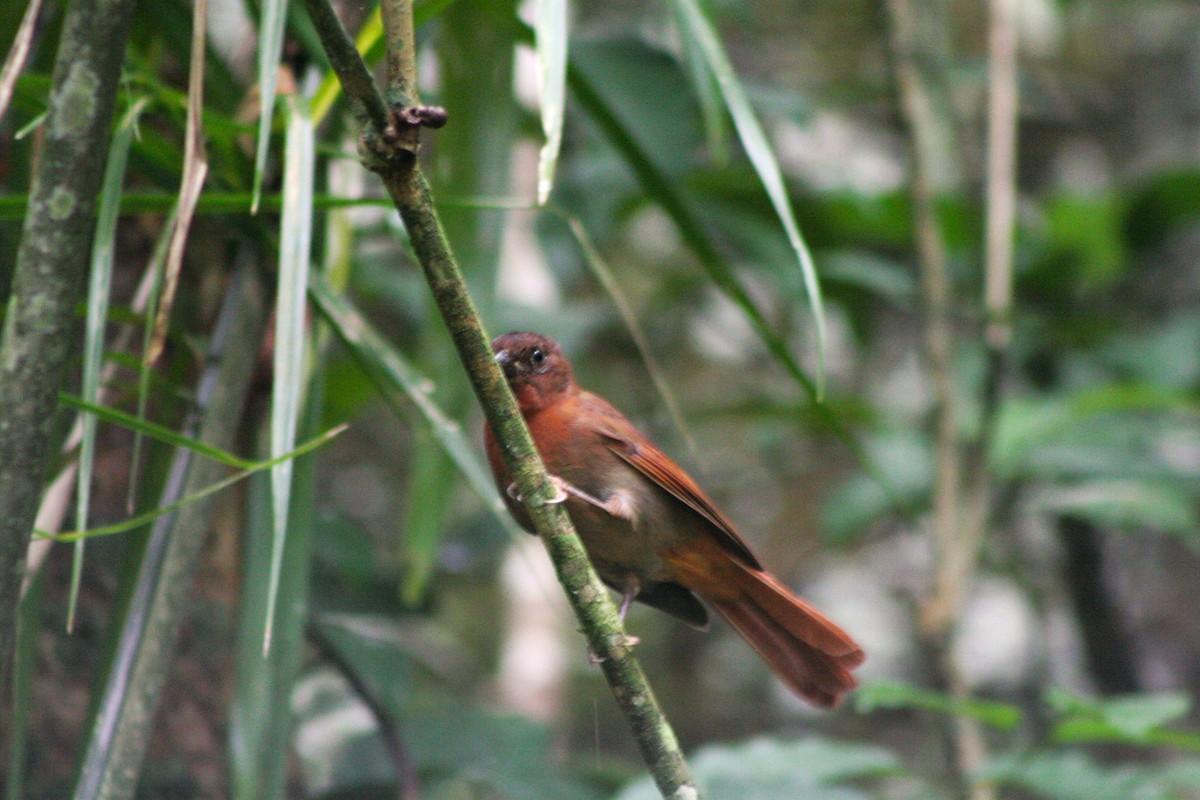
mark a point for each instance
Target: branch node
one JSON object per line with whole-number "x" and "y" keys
{"x": 397, "y": 145}
{"x": 419, "y": 116}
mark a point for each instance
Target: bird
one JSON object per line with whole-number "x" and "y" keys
{"x": 650, "y": 531}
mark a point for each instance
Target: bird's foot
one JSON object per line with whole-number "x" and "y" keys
{"x": 620, "y": 640}
{"x": 561, "y": 490}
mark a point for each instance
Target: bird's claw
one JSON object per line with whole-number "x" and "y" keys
{"x": 561, "y": 488}
{"x": 620, "y": 640}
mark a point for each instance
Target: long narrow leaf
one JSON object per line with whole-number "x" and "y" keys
{"x": 609, "y": 283}
{"x": 195, "y": 170}
{"x": 394, "y": 376}
{"x": 261, "y": 724}
{"x": 159, "y": 596}
{"x": 139, "y": 520}
{"x": 156, "y": 269}
{"x": 295, "y": 238}
{"x": 270, "y": 49}
{"x": 551, "y": 33}
{"x": 663, "y": 191}
{"x": 712, "y": 107}
{"x": 28, "y": 627}
{"x": 154, "y": 431}
{"x": 99, "y": 292}
{"x": 15, "y": 61}
{"x": 762, "y": 156}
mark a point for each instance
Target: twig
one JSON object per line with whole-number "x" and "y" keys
{"x": 369, "y": 693}
{"x": 48, "y": 278}
{"x": 392, "y": 154}
{"x": 956, "y": 535}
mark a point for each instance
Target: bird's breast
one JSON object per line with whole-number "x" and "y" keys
{"x": 639, "y": 520}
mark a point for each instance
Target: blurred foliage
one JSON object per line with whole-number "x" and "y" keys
{"x": 400, "y": 606}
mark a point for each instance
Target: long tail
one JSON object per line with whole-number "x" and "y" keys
{"x": 803, "y": 647}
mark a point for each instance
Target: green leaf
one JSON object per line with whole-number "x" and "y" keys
{"x": 155, "y": 431}
{"x": 763, "y": 769}
{"x": 295, "y": 245}
{"x": 1134, "y": 719}
{"x": 716, "y": 126}
{"x": 1126, "y": 505}
{"x": 141, "y": 519}
{"x": 261, "y": 719}
{"x": 700, "y": 29}
{"x": 29, "y": 620}
{"x": 99, "y": 292}
{"x": 270, "y": 50}
{"x": 1074, "y": 776}
{"x": 551, "y": 47}
{"x": 898, "y": 695}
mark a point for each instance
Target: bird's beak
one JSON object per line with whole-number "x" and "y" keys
{"x": 505, "y": 360}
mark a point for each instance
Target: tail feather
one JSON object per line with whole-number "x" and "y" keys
{"x": 810, "y": 672}
{"x": 804, "y": 648}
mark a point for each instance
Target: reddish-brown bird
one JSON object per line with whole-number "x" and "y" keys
{"x": 652, "y": 534}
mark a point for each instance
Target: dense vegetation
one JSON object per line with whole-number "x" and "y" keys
{"x": 1000, "y": 499}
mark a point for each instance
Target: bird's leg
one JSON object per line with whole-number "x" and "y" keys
{"x": 627, "y": 597}
{"x": 619, "y": 504}
{"x": 630, "y": 592}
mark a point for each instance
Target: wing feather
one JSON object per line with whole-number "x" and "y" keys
{"x": 658, "y": 467}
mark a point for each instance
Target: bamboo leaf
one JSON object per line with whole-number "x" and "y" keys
{"x": 139, "y": 520}
{"x": 28, "y": 627}
{"x": 154, "y": 431}
{"x": 295, "y": 240}
{"x": 195, "y": 170}
{"x": 551, "y": 45}
{"x": 15, "y": 61}
{"x": 261, "y": 716}
{"x": 716, "y": 126}
{"x": 604, "y": 275}
{"x": 701, "y": 31}
{"x": 270, "y": 50}
{"x": 99, "y": 292}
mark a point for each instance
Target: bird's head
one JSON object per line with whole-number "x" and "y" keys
{"x": 535, "y": 367}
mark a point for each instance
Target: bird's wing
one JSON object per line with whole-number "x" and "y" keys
{"x": 624, "y": 440}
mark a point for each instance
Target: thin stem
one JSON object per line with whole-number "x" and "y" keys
{"x": 1001, "y": 171}
{"x": 959, "y": 517}
{"x": 365, "y": 101}
{"x": 401, "y": 41}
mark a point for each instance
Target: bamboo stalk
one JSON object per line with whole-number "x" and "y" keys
{"x": 37, "y": 340}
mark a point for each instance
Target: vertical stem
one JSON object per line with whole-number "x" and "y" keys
{"x": 36, "y": 343}
{"x": 918, "y": 111}
{"x": 959, "y": 507}
{"x": 1001, "y": 171}
{"x": 401, "y": 40}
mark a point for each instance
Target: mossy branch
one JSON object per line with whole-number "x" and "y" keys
{"x": 391, "y": 153}
{"x": 55, "y": 245}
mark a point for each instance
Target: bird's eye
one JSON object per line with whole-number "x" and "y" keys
{"x": 537, "y": 356}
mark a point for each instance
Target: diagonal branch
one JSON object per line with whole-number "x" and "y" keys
{"x": 390, "y": 151}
